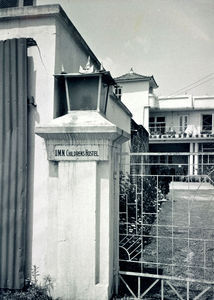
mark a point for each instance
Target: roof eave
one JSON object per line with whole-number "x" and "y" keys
{"x": 131, "y": 80}
{"x": 106, "y": 75}
{"x": 154, "y": 83}
{"x": 43, "y": 11}
{"x": 151, "y": 81}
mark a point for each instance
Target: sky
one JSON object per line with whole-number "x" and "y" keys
{"x": 173, "y": 40}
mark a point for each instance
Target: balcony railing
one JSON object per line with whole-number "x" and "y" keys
{"x": 176, "y": 132}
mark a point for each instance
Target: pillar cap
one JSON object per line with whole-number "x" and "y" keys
{"x": 83, "y": 125}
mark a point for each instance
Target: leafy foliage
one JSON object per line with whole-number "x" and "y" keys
{"x": 32, "y": 290}
{"x": 140, "y": 201}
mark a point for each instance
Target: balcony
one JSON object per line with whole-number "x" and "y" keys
{"x": 175, "y": 103}
{"x": 182, "y": 102}
{"x": 203, "y": 102}
{"x": 176, "y": 133}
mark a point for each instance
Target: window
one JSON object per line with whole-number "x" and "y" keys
{"x": 207, "y": 147}
{"x": 7, "y": 4}
{"x": 162, "y": 159}
{"x": 183, "y": 123}
{"x": 157, "y": 125}
{"x": 207, "y": 123}
{"x": 15, "y": 3}
{"x": 28, "y": 2}
{"x": 170, "y": 159}
{"x": 118, "y": 92}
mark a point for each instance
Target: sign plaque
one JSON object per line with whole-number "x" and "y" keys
{"x": 79, "y": 152}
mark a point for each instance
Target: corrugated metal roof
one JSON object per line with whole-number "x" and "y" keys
{"x": 13, "y": 162}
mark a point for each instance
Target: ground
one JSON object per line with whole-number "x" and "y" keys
{"x": 185, "y": 244}
{"x": 182, "y": 242}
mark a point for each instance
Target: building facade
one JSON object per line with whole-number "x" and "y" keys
{"x": 137, "y": 93}
{"x": 183, "y": 125}
{"x": 58, "y": 213}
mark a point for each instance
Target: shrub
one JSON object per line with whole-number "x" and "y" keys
{"x": 142, "y": 195}
{"x": 32, "y": 289}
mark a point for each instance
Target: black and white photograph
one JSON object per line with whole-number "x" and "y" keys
{"x": 106, "y": 149}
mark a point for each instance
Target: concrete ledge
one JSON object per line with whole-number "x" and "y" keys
{"x": 191, "y": 186}
{"x": 80, "y": 124}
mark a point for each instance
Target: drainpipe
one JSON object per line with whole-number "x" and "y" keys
{"x": 116, "y": 196}
{"x": 106, "y": 100}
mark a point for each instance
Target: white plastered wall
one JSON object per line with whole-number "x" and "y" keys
{"x": 41, "y": 88}
{"x": 135, "y": 95}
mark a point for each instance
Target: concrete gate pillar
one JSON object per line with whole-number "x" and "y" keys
{"x": 82, "y": 150}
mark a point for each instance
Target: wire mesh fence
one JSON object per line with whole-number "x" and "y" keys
{"x": 167, "y": 230}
